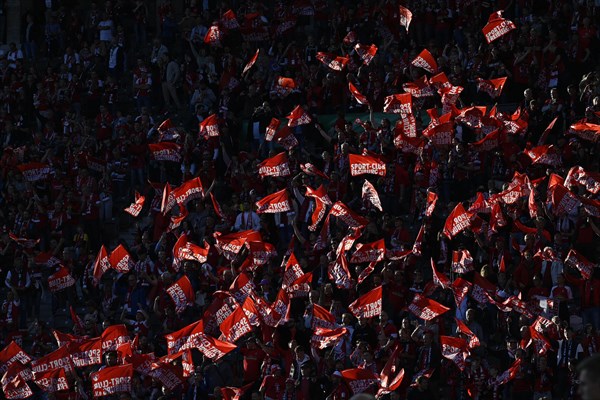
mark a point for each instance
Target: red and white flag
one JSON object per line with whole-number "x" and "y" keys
{"x": 473, "y": 340}
{"x": 120, "y": 260}
{"x": 233, "y": 393}
{"x": 101, "y": 265}
{"x": 188, "y": 191}
{"x": 292, "y": 271}
{"x": 165, "y": 151}
{"x": 230, "y": 245}
{"x": 369, "y": 252}
{"x": 276, "y": 166}
{"x": 60, "y": 280}
{"x": 321, "y": 200}
{"x": 136, "y": 207}
{"x": 391, "y": 377}
{"x": 489, "y": 141}
{"x": 426, "y": 308}
{"x": 497, "y": 27}
{"x": 545, "y": 154}
{"x": 589, "y": 180}
{"x": 184, "y": 338}
{"x": 360, "y": 164}
{"x": 235, "y": 326}
{"x": 209, "y": 126}
{"x": 16, "y": 388}
{"x": 112, "y": 380}
{"x": 332, "y": 61}
{"x": 366, "y": 52}
{"x": 562, "y": 200}
{"x": 321, "y": 318}
{"x": 261, "y": 252}
{"x": 460, "y": 289}
{"x": 462, "y": 261}
{"x": 339, "y": 273}
{"x": 251, "y": 62}
{"x": 497, "y": 219}
{"x": 114, "y": 336}
{"x": 360, "y": 379}
{"x": 13, "y": 353}
{"x": 298, "y": 117}
{"x": 325, "y": 337}
{"x": 509, "y": 374}
{"x": 311, "y": 170}
{"x": 182, "y": 293}
{"x": 301, "y": 287}
{"x": 87, "y": 352}
{"x": 59, "y": 358}
{"x": 419, "y": 87}
{"x": 370, "y": 195}
{"x": 285, "y": 138}
{"x": 398, "y": 104}
{"x": 432, "y": 199}
{"x": 439, "y": 278}
{"x": 541, "y": 345}
{"x": 229, "y": 20}
{"x": 350, "y": 38}
{"x": 34, "y": 171}
{"x": 183, "y": 249}
{"x": 217, "y": 206}
{"x": 455, "y": 349}
{"x": 214, "y": 36}
{"x": 493, "y": 87}
{"x": 408, "y": 144}
{"x": 349, "y": 217}
{"x": 51, "y": 380}
{"x": 586, "y": 131}
{"x": 405, "y": 17}
{"x": 441, "y": 134}
{"x": 426, "y": 61}
{"x": 272, "y": 129}
{"x": 482, "y": 289}
{"x": 458, "y": 220}
{"x": 283, "y": 86}
{"x": 582, "y": 264}
{"x": 213, "y": 348}
{"x": 274, "y": 203}
{"x": 367, "y": 305}
{"x": 359, "y": 97}
{"x": 418, "y": 245}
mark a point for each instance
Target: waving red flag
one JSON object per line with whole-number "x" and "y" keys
{"x": 311, "y": 170}
{"x": 457, "y": 221}
{"x": 360, "y": 98}
{"x": 214, "y": 36}
{"x": 112, "y": 380}
{"x": 369, "y": 252}
{"x": 231, "y": 244}
{"x": 272, "y": 129}
{"x": 497, "y": 27}
{"x": 540, "y": 344}
{"x": 229, "y": 20}
{"x": 34, "y": 171}
{"x": 165, "y": 151}
{"x": 209, "y": 126}
{"x": 275, "y": 166}
{"x": 233, "y": 393}
{"x": 283, "y": 86}
{"x": 182, "y": 293}
{"x": 441, "y": 134}
{"x": 52, "y": 380}
{"x": 16, "y": 388}
{"x": 322, "y": 318}
{"x": 366, "y": 52}
{"x": 349, "y": 217}
{"x": 461, "y": 327}
{"x": 460, "y": 288}
{"x": 497, "y": 219}
{"x": 425, "y": 308}
{"x": 12, "y": 353}
{"x": 114, "y": 336}
{"x": 298, "y": 117}
{"x": 493, "y": 87}
{"x": 59, "y": 358}
{"x": 405, "y": 17}
{"x": 545, "y": 154}
{"x": 360, "y": 165}
{"x": 184, "y": 338}
{"x": 360, "y": 379}
{"x": 418, "y": 88}
{"x": 586, "y": 131}
{"x": 563, "y": 201}
{"x": 398, "y": 104}
{"x": 60, "y": 280}
{"x": 261, "y": 252}
{"x": 332, "y": 61}
{"x": 339, "y": 273}
{"x": 455, "y": 350}
{"x": 462, "y": 261}
{"x": 439, "y": 279}
{"x": 186, "y": 250}
{"x": 251, "y": 62}
{"x": 321, "y": 200}
{"x": 490, "y": 141}
{"x": 589, "y": 180}
{"x": 482, "y": 288}
{"x": 136, "y": 207}
{"x": 432, "y": 199}
{"x": 87, "y": 352}
{"x": 217, "y": 206}
{"x": 391, "y": 378}
{"x": 583, "y": 265}
{"x": 367, "y": 305}
{"x": 325, "y": 337}
{"x": 292, "y": 271}
{"x": 301, "y": 287}
{"x": 235, "y": 326}
{"x": 274, "y": 203}
{"x": 426, "y": 61}
{"x": 101, "y": 265}
{"x": 120, "y": 260}
{"x": 509, "y": 374}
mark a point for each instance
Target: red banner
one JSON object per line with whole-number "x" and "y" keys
{"x": 576, "y": 260}
{"x": 370, "y": 195}
{"x": 425, "y": 308}
{"x": 11, "y": 354}
{"x": 60, "y": 280}
{"x": 367, "y": 305}
{"x": 275, "y": 166}
{"x": 360, "y": 165}
{"x": 182, "y": 293}
{"x": 209, "y": 126}
{"x": 348, "y": 216}
{"x": 241, "y": 287}
{"x": 274, "y": 203}
{"x": 251, "y": 62}
{"x": 165, "y": 151}
{"x": 112, "y": 380}
{"x": 214, "y": 36}
{"x": 231, "y": 244}
{"x": 497, "y": 27}
{"x": 186, "y": 250}
{"x": 120, "y": 260}
{"x": 332, "y": 61}
{"x": 359, "y": 97}
{"x": 455, "y": 350}
{"x": 405, "y": 17}
{"x": 418, "y": 88}
{"x": 426, "y": 61}
{"x": 457, "y": 221}
{"x": 235, "y": 326}
{"x": 101, "y": 265}
{"x": 545, "y": 154}
{"x": 473, "y": 340}
{"x": 366, "y": 52}
{"x": 86, "y": 352}
{"x": 391, "y": 378}
{"x": 325, "y": 337}
{"x": 339, "y": 273}
{"x": 462, "y": 261}
{"x": 59, "y": 358}
{"x": 52, "y": 380}
{"x": 493, "y": 87}
{"x": 562, "y": 200}
{"x": 398, "y": 104}
{"x": 586, "y": 131}
{"x": 490, "y": 141}
{"x": 369, "y": 252}
{"x": 360, "y": 379}
{"x": 114, "y": 336}
{"x": 34, "y": 171}
{"x": 136, "y": 207}
{"x": 460, "y": 288}
{"x": 589, "y": 180}
{"x": 184, "y": 338}
{"x": 298, "y": 117}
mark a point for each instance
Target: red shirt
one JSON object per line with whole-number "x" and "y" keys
{"x": 253, "y": 359}
{"x": 273, "y": 387}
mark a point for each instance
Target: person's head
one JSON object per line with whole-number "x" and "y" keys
{"x": 111, "y": 359}
{"x": 589, "y": 378}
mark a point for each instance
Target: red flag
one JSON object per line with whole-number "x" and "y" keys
{"x": 586, "y": 131}
{"x": 229, "y": 20}
{"x": 59, "y": 358}
{"x": 311, "y": 170}
{"x": 114, "y": 336}
{"x": 480, "y": 204}
{"x": 360, "y": 165}
{"x": 217, "y": 207}
{"x": 26, "y": 243}
{"x": 425, "y": 308}
{"x": 490, "y": 141}
{"x": 369, "y": 252}
{"x": 440, "y": 81}
{"x": 283, "y": 86}
{"x": 391, "y": 378}
{"x": 426, "y": 61}
{"x": 563, "y": 201}
{"x": 462, "y": 261}
{"x": 51, "y": 380}
{"x": 441, "y": 134}
{"x": 322, "y": 318}
{"x": 432, "y": 198}
{"x": 16, "y": 388}
{"x": 360, "y": 98}
{"x": 418, "y": 88}
{"x": 272, "y": 129}
{"x": 298, "y": 117}
{"x": 509, "y": 374}
{"x": 209, "y": 126}
{"x": 338, "y": 272}
{"x": 101, "y": 265}
{"x": 576, "y": 260}
{"x": 409, "y": 144}
{"x": 233, "y": 393}
{"x": 285, "y": 138}
{"x": 112, "y": 380}
{"x": 76, "y": 318}
{"x": 60, "y": 280}
{"x": 275, "y": 166}
{"x": 34, "y": 171}
{"x": 460, "y": 288}
{"x": 274, "y": 203}
{"x": 540, "y": 344}
{"x": 497, "y": 219}
{"x": 482, "y": 288}
{"x": 325, "y": 337}
{"x": 321, "y": 200}
{"x": 398, "y": 104}
{"x": 278, "y": 310}
{"x": 135, "y": 208}
{"x": 261, "y": 252}
{"x": 461, "y": 327}
{"x": 370, "y": 195}
{"x": 214, "y": 36}
{"x": 348, "y": 216}
{"x": 405, "y": 17}
{"x": 497, "y": 27}
{"x": 367, "y": 305}
{"x": 547, "y": 131}
{"x": 231, "y": 244}
{"x": 13, "y": 353}
{"x": 120, "y": 260}
{"x": 165, "y": 151}
{"x": 242, "y": 287}
{"x": 366, "y": 52}
{"x": 360, "y": 379}
{"x": 439, "y": 279}
{"x": 292, "y": 272}
{"x": 251, "y": 62}
{"x": 182, "y": 293}
{"x": 186, "y": 250}
{"x": 188, "y": 191}
{"x": 455, "y": 350}
{"x": 493, "y": 87}
{"x": 184, "y": 338}
{"x": 235, "y": 326}
{"x": 457, "y": 221}
{"x": 332, "y": 61}
{"x": 589, "y": 180}
{"x": 87, "y": 352}
{"x": 502, "y": 265}
{"x": 545, "y": 154}
{"x": 301, "y": 287}
{"x": 418, "y": 245}
{"x": 350, "y": 38}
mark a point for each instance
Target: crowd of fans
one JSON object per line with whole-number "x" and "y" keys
{"x": 89, "y": 89}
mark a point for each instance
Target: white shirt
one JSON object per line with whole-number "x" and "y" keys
{"x": 106, "y": 34}
{"x": 247, "y": 220}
